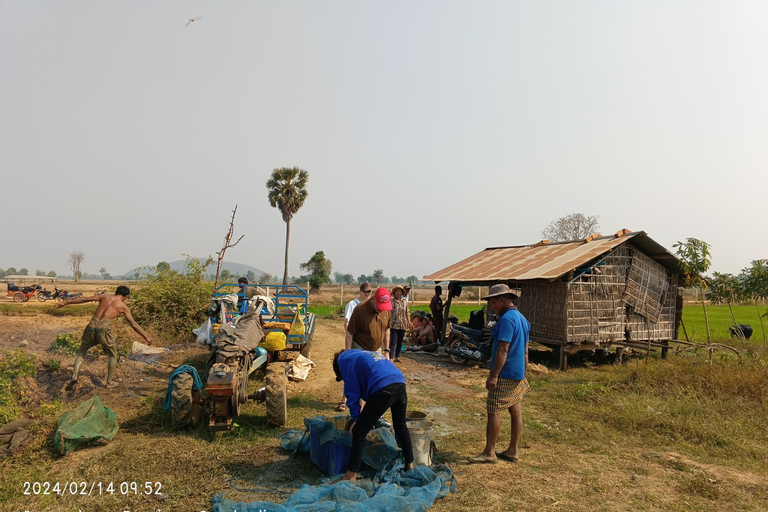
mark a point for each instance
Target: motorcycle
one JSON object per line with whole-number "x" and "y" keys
{"x": 58, "y": 295}
{"x": 466, "y": 345}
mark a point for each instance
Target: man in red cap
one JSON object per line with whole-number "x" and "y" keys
{"x": 368, "y": 328}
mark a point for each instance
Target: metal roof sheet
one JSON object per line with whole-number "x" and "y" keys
{"x": 544, "y": 261}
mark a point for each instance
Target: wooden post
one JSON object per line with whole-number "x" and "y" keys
{"x": 478, "y": 296}
{"x": 563, "y": 358}
{"x": 341, "y": 296}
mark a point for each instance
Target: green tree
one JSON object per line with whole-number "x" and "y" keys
{"x": 695, "y": 260}
{"x": 40, "y": 272}
{"x": 725, "y": 288}
{"x": 103, "y": 272}
{"x": 23, "y": 272}
{"x": 362, "y": 278}
{"x": 226, "y": 276}
{"x": 266, "y": 278}
{"x": 51, "y": 274}
{"x": 338, "y": 277}
{"x": 754, "y": 280}
{"x": 377, "y": 276}
{"x": 319, "y": 268}
{"x": 11, "y": 271}
{"x": 163, "y": 266}
{"x": 172, "y": 303}
{"x": 287, "y": 192}
{"x": 250, "y": 276}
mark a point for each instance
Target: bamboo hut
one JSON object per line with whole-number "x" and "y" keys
{"x": 604, "y": 291}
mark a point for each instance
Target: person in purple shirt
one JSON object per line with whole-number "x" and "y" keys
{"x": 506, "y": 383}
{"x": 374, "y": 378}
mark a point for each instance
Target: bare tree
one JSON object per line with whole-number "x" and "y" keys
{"x": 227, "y": 244}
{"x": 575, "y": 226}
{"x": 75, "y": 259}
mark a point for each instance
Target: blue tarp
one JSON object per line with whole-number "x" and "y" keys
{"x": 385, "y": 488}
{"x": 413, "y": 491}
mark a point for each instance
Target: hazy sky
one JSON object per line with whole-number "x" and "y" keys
{"x": 430, "y": 129}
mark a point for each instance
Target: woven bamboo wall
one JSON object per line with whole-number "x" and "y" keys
{"x": 544, "y": 305}
{"x": 597, "y": 305}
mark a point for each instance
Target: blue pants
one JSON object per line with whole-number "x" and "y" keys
{"x": 396, "y": 337}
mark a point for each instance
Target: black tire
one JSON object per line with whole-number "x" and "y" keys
{"x": 181, "y": 401}
{"x": 41, "y": 297}
{"x": 276, "y": 399}
{"x": 454, "y": 342}
{"x": 18, "y": 297}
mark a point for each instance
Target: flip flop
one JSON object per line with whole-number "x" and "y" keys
{"x": 481, "y": 459}
{"x": 504, "y": 456}
{"x": 341, "y": 407}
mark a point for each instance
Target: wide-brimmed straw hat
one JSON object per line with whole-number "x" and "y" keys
{"x": 499, "y": 289}
{"x": 398, "y": 287}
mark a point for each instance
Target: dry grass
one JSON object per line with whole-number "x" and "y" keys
{"x": 680, "y": 434}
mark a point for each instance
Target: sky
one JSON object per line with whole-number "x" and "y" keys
{"x": 430, "y": 130}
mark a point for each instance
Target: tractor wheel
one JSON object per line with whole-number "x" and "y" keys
{"x": 181, "y": 401}
{"x": 18, "y": 297}
{"x": 454, "y": 343}
{"x": 306, "y": 350}
{"x": 277, "y": 405}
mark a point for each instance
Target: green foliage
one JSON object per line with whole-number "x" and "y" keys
{"x": 52, "y": 365}
{"x": 66, "y": 343}
{"x": 319, "y": 268}
{"x": 16, "y": 364}
{"x": 9, "y": 407}
{"x": 51, "y": 274}
{"x": 173, "y": 303}
{"x": 13, "y": 365}
{"x": 695, "y": 260}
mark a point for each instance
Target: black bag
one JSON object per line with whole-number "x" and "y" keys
{"x": 477, "y": 319}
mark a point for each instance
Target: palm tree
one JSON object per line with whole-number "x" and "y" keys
{"x": 287, "y": 192}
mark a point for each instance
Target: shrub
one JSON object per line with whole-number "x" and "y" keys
{"x": 16, "y": 364}
{"x": 13, "y": 365}
{"x": 66, "y": 343}
{"x": 173, "y": 303}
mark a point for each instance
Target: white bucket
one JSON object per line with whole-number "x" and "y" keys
{"x": 421, "y": 439}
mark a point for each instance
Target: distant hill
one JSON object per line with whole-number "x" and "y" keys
{"x": 239, "y": 269}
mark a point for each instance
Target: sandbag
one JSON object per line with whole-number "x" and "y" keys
{"x": 89, "y": 422}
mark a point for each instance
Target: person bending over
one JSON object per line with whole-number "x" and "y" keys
{"x": 375, "y": 379}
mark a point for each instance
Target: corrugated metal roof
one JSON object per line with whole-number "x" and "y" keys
{"x": 543, "y": 261}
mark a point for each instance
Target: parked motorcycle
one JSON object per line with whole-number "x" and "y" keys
{"x": 466, "y": 345}
{"x": 58, "y": 295}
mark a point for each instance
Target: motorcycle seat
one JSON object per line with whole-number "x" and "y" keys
{"x": 466, "y": 330}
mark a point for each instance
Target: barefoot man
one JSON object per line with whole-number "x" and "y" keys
{"x": 99, "y": 329}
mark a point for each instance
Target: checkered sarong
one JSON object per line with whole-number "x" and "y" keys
{"x": 507, "y": 393}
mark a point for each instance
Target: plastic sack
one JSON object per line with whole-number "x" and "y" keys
{"x": 204, "y": 333}
{"x": 90, "y": 421}
{"x": 297, "y": 327}
{"x": 273, "y": 341}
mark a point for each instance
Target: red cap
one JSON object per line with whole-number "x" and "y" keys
{"x": 383, "y": 299}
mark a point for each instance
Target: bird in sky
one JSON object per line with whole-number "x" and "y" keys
{"x": 192, "y": 20}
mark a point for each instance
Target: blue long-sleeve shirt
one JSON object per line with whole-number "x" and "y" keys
{"x": 365, "y": 373}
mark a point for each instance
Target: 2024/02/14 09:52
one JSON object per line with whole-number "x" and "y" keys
{"x": 95, "y": 488}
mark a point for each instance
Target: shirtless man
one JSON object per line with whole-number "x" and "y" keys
{"x": 99, "y": 329}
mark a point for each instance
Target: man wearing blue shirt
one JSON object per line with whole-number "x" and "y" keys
{"x": 374, "y": 378}
{"x": 506, "y": 383}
